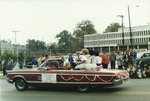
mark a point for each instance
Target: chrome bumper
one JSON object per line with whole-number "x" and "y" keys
{"x": 117, "y": 82}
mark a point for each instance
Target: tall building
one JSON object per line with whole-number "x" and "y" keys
{"x": 112, "y": 41}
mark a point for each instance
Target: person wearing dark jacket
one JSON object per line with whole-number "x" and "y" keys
{"x": 70, "y": 59}
{"x": 112, "y": 60}
{"x": 126, "y": 59}
{"x": 134, "y": 56}
{"x": 34, "y": 62}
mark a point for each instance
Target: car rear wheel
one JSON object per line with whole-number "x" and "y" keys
{"x": 83, "y": 89}
{"x": 21, "y": 84}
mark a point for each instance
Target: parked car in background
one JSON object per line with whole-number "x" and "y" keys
{"x": 29, "y": 65}
{"x": 141, "y": 50}
{"x": 145, "y": 57}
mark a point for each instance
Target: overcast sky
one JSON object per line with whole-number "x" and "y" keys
{"x": 46, "y": 18}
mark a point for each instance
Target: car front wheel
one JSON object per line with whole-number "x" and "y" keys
{"x": 21, "y": 84}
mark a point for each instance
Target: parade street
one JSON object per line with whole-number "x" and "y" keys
{"x": 133, "y": 90}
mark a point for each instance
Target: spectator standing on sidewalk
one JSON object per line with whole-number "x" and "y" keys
{"x": 10, "y": 64}
{"x": 34, "y": 62}
{"x": 134, "y": 56}
{"x": 126, "y": 59}
{"x": 105, "y": 60}
{"x": 112, "y": 60}
{"x": 130, "y": 55}
{"x": 119, "y": 60}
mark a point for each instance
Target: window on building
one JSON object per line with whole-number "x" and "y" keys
{"x": 146, "y": 32}
{"x": 135, "y": 33}
{"x": 140, "y": 33}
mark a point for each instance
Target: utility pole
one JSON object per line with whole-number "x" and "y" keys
{"x": 131, "y": 40}
{"x": 16, "y": 50}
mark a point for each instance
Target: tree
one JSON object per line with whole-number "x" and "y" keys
{"x": 21, "y": 59}
{"x": 6, "y": 41}
{"x": 64, "y": 40}
{"x": 28, "y": 58}
{"x": 53, "y": 47}
{"x": 34, "y": 45}
{"x": 83, "y": 28}
{"x": 113, "y": 27}
{"x": 87, "y": 26}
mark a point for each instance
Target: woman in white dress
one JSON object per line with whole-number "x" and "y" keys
{"x": 85, "y": 61}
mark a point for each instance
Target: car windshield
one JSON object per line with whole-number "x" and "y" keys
{"x": 139, "y": 55}
{"x": 141, "y": 50}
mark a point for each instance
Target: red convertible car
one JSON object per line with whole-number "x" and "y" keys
{"x": 82, "y": 79}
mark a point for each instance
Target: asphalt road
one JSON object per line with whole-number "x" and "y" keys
{"x": 133, "y": 90}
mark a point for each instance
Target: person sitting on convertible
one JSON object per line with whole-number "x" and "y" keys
{"x": 56, "y": 66}
{"x": 67, "y": 66}
{"x": 85, "y": 61}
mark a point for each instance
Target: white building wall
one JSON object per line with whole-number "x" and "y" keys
{"x": 140, "y": 35}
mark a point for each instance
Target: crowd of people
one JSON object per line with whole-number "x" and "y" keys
{"x": 128, "y": 61}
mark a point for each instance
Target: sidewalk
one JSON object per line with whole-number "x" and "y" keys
{"x": 1, "y": 75}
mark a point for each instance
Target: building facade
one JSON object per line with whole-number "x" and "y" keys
{"x": 112, "y": 41}
{"x": 10, "y": 47}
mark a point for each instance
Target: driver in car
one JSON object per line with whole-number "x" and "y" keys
{"x": 55, "y": 64}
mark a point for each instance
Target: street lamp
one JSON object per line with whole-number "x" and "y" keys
{"x": 121, "y": 16}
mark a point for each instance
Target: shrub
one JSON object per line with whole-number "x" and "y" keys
{"x": 28, "y": 59}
